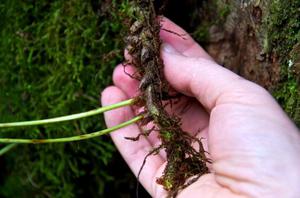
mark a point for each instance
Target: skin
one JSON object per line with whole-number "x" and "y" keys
{"x": 253, "y": 144}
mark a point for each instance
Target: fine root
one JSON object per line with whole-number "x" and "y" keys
{"x": 143, "y": 46}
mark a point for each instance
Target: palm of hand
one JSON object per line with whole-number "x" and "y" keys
{"x": 243, "y": 129}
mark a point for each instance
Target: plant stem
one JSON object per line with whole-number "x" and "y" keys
{"x": 68, "y": 117}
{"x": 7, "y": 148}
{"x": 73, "y": 138}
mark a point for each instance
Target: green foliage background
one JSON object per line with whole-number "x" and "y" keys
{"x": 55, "y": 58}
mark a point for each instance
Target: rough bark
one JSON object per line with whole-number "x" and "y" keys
{"x": 260, "y": 40}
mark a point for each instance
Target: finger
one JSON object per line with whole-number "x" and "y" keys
{"x": 207, "y": 185}
{"x": 133, "y": 152}
{"x": 203, "y": 136}
{"x": 181, "y": 40}
{"x": 194, "y": 117}
{"x": 205, "y": 80}
{"x": 123, "y": 77}
{"x": 130, "y": 87}
{"x": 158, "y": 189}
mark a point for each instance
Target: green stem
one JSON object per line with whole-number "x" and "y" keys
{"x": 69, "y": 117}
{"x": 73, "y": 138}
{"x": 7, "y": 148}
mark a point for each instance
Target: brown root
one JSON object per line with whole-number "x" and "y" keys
{"x": 183, "y": 160}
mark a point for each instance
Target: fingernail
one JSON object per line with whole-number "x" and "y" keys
{"x": 169, "y": 48}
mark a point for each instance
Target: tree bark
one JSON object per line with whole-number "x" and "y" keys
{"x": 259, "y": 40}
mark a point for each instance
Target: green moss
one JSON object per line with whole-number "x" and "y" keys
{"x": 211, "y": 13}
{"x": 283, "y": 25}
{"x": 201, "y": 34}
{"x": 283, "y": 33}
{"x": 223, "y": 9}
{"x": 167, "y": 135}
{"x": 53, "y": 61}
{"x": 287, "y": 94}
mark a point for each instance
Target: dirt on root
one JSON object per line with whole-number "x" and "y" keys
{"x": 185, "y": 164}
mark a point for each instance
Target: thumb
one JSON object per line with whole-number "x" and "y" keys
{"x": 205, "y": 80}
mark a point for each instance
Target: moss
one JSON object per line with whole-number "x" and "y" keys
{"x": 223, "y": 9}
{"x": 283, "y": 34}
{"x": 201, "y": 34}
{"x": 283, "y": 25}
{"x": 210, "y": 13}
{"x": 287, "y": 94}
{"x": 167, "y": 135}
{"x": 55, "y": 57}
{"x": 281, "y": 40}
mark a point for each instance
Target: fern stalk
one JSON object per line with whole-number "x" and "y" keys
{"x": 73, "y": 138}
{"x": 68, "y": 117}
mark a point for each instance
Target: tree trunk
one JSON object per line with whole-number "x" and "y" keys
{"x": 259, "y": 40}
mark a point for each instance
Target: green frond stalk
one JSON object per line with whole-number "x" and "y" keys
{"x": 68, "y": 117}
{"x": 7, "y": 148}
{"x": 73, "y": 138}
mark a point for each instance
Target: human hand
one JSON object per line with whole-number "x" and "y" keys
{"x": 253, "y": 145}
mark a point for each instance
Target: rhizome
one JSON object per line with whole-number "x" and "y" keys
{"x": 185, "y": 164}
